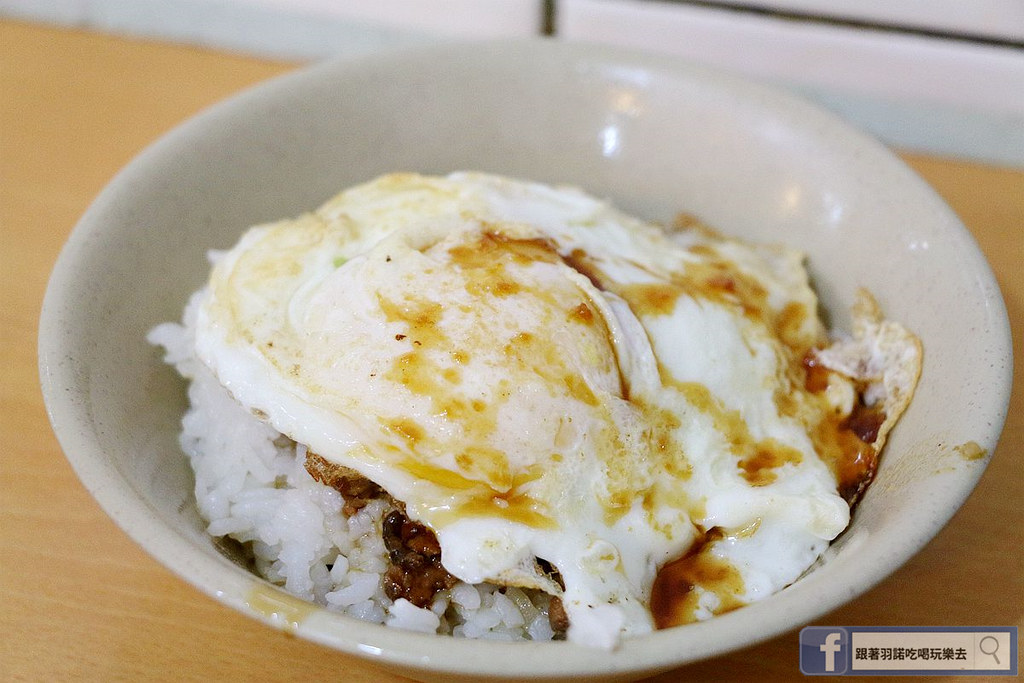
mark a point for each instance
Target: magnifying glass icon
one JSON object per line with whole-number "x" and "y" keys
{"x": 993, "y": 647}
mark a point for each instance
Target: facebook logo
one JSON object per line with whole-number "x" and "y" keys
{"x": 823, "y": 650}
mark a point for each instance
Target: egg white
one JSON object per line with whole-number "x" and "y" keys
{"x": 535, "y": 374}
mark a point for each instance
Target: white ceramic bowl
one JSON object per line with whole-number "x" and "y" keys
{"x": 655, "y": 135}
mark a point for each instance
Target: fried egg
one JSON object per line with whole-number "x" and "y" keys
{"x": 537, "y": 376}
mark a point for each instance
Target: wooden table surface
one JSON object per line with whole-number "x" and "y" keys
{"x": 80, "y": 601}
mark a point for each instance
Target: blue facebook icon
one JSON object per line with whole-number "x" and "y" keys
{"x": 823, "y": 650}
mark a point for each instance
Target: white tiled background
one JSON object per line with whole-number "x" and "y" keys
{"x": 979, "y": 18}
{"x": 939, "y": 76}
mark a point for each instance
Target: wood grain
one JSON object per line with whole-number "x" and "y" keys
{"x": 80, "y": 601}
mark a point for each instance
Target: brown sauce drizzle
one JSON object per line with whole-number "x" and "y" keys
{"x": 845, "y": 444}
{"x": 971, "y": 451}
{"x": 758, "y": 458}
{"x": 858, "y": 458}
{"x": 789, "y": 324}
{"x": 421, "y": 315}
{"x": 688, "y": 222}
{"x": 864, "y": 421}
{"x": 493, "y": 249}
{"x": 581, "y": 262}
{"x": 582, "y": 314}
{"x": 650, "y": 299}
{"x": 674, "y": 600}
{"x": 759, "y": 465}
{"x": 815, "y": 374}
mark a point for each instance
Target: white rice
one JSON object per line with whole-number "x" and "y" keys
{"x": 251, "y": 486}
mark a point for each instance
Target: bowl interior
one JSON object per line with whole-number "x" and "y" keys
{"x": 656, "y": 136}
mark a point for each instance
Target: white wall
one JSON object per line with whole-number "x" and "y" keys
{"x": 295, "y": 29}
{"x": 907, "y": 83}
{"x": 945, "y": 95}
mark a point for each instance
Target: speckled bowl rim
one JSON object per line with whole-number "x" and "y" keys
{"x": 423, "y": 655}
